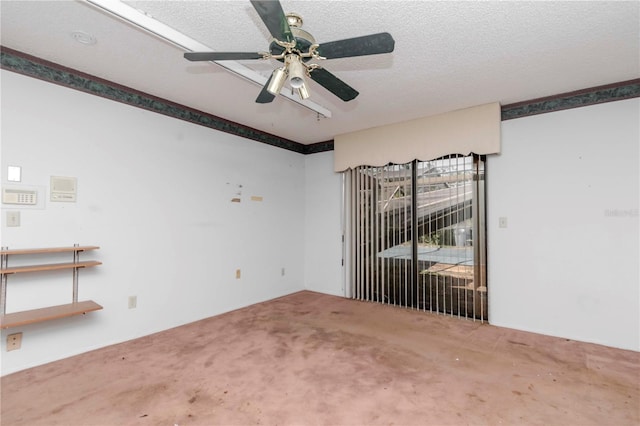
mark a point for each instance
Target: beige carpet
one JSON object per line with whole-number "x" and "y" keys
{"x": 312, "y": 359}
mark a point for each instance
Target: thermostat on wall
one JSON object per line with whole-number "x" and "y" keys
{"x": 64, "y": 188}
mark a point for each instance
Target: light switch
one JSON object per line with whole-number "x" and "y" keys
{"x": 502, "y": 222}
{"x": 13, "y": 218}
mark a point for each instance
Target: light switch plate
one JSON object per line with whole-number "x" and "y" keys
{"x": 13, "y": 219}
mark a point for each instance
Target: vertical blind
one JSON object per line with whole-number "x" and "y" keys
{"x": 416, "y": 235}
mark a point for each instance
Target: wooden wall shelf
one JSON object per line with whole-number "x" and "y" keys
{"x": 32, "y": 316}
{"x": 50, "y": 267}
{"x": 6, "y": 251}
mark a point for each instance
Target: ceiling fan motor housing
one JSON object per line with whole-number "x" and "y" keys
{"x": 304, "y": 40}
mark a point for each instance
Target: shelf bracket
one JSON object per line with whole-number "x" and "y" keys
{"x": 76, "y": 259}
{"x": 4, "y": 262}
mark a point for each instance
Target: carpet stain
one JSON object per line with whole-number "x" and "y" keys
{"x": 140, "y": 395}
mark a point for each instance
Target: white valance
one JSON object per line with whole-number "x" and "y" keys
{"x": 470, "y": 130}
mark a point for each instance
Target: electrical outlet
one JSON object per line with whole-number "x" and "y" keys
{"x": 133, "y": 302}
{"x": 14, "y": 341}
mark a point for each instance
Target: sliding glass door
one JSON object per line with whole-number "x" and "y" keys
{"x": 417, "y": 235}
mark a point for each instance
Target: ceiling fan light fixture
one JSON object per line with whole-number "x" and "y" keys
{"x": 296, "y": 71}
{"x": 303, "y": 92}
{"x": 278, "y": 78}
{"x": 296, "y": 82}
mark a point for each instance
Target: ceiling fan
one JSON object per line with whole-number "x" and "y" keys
{"x": 296, "y": 48}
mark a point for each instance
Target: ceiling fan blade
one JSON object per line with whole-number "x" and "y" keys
{"x": 221, "y": 56}
{"x": 271, "y": 13}
{"x": 333, "y": 84}
{"x": 265, "y": 97}
{"x": 358, "y": 46}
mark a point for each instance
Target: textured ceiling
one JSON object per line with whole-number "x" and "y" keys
{"x": 448, "y": 55}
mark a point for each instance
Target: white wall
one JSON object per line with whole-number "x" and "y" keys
{"x": 323, "y": 226}
{"x": 155, "y": 194}
{"x": 567, "y": 263}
